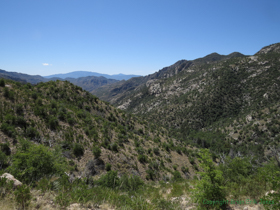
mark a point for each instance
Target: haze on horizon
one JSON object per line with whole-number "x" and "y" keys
{"x": 130, "y": 37}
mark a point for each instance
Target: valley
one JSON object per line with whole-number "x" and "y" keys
{"x": 201, "y": 129}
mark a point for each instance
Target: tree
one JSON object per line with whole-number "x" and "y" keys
{"x": 209, "y": 191}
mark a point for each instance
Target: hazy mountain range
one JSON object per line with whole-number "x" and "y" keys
{"x": 78, "y": 74}
{"x": 87, "y": 80}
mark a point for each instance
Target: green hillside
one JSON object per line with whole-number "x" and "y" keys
{"x": 227, "y": 105}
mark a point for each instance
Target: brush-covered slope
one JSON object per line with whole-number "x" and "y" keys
{"x": 62, "y": 116}
{"x": 229, "y": 105}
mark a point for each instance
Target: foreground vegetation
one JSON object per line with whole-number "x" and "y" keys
{"x": 42, "y": 174}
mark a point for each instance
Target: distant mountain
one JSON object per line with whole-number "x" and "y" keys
{"x": 77, "y": 74}
{"x": 88, "y": 83}
{"x": 115, "y": 92}
{"x": 33, "y": 79}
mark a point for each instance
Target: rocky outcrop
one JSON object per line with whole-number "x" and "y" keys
{"x": 154, "y": 87}
{"x": 10, "y": 177}
{"x": 270, "y": 48}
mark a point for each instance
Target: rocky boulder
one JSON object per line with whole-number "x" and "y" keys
{"x": 11, "y": 178}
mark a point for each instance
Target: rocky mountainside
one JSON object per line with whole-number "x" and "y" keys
{"x": 114, "y": 92}
{"x": 226, "y": 103}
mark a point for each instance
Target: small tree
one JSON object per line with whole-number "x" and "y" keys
{"x": 210, "y": 186}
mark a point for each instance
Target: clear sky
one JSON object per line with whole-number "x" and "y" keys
{"x": 46, "y": 37}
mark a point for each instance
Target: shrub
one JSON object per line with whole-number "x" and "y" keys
{"x": 150, "y": 174}
{"x": 96, "y": 152}
{"x": 5, "y": 149}
{"x": 143, "y": 158}
{"x": 78, "y": 150}
{"x": 2, "y": 83}
{"x": 108, "y": 167}
{"x": 71, "y": 120}
{"x": 8, "y": 129}
{"x": 53, "y": 123}
{"x": 6, "y": 186}
{"x": 23, "y": 196}
{"x": 19, "y": 109}
{"x": 210, "y": 186}
{"x": 6, "y": 92}
{"x": 156, "y": 150}
{"x": 34, "y": 95}
{"x": 177, "y": 176}
{"x": 185, "y": 169}
{"x": 31, "y": 132}
{"x": 114, "y": 147}
{"x": 3, "y": 160}
{"x": 130, "y": 182}
{"x": 32, "y": 162}
{"x": 110, "y": 179}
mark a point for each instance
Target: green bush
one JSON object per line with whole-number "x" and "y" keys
{"x": 31, "y": 132}
{"x": 32, "y": 162}
{"x": 210, "y": 186}
{"x": 2, "y": 83}
{"x": 23, "y": 196}
{"x": 53, "y": 123}
{"x": 177, "y": 176}
{"x": 108, "y": 167}
{"x": 142, "y": 158}
{"x": 8, "y": 130}
{"x": 150, "y": 174}
{"x": 78, "y": 150}
{"x": 9, "y": 94}
{"x": 96, "y": 152}
{"x": 156, "y": 151}
{"x": 19, "y": 109}
{"x": 114, "y": 147}
{"x": 110, "y": 179}
{"x": 6, "y": 186}
{"x": 5, "y": 149}
{"x": 132, "y": 183}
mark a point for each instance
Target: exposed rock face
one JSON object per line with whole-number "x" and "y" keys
{"x": 124, "y": 105}
{"x": 11, "y": 178}
{"x": 154, "y": 88}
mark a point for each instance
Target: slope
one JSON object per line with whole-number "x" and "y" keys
{"x": 60, "y": 115}
{"x": 228, "y": 104}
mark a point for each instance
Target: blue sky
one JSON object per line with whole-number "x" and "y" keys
{"x": 44, "y": 37}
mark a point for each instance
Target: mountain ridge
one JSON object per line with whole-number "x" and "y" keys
{"x": 214, "y": 92}
{"x": 78, "y": 74}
